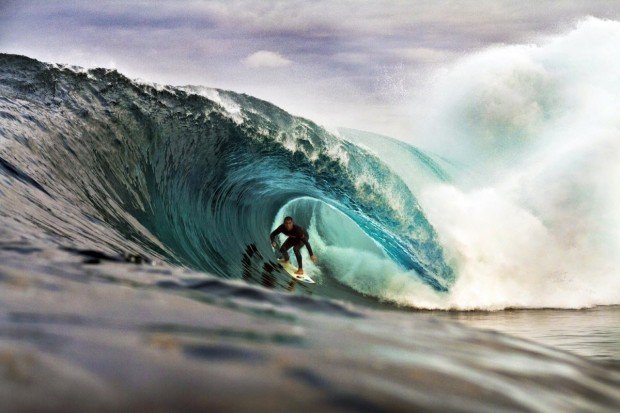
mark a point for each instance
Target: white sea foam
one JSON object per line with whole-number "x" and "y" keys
{"x": 540, "y": 224}
{"x": 229, "y": 107}
{"x": 535, "y": 219}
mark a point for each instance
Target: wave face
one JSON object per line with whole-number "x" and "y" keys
{"x": 513, "y": 204}
{"x": 199, "y": 177}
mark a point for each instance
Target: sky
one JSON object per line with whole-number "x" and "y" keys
{"x": 340, "y": 63}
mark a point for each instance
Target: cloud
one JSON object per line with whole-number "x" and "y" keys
{"x": 421, "y": 54}
{"x": 266, "y": 58}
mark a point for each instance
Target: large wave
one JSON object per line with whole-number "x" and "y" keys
{"x": 198, "y": 177}
{"x": 514, "y": 204}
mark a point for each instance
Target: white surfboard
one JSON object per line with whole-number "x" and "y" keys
{"x": 289, "y": 268}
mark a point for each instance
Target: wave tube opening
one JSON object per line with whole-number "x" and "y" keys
{"x": 349, "y": 258}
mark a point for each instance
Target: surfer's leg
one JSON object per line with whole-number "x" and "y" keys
{"x": 298, "y": 253}
{"x": 284, "y": 248}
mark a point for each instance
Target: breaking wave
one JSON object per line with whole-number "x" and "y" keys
{"x": 514, "y": 203}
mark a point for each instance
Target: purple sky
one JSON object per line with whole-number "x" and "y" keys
{"x": 345, "y": 63}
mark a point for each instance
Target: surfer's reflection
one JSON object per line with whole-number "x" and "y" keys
{"x": 253, "y": 263}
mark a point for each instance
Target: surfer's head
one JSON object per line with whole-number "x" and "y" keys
{"x": 288, "y": 223}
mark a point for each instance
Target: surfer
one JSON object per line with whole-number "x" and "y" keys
{"x": 297, "y": 238}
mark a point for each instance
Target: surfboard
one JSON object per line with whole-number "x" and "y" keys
{"x": 289, "y": 268}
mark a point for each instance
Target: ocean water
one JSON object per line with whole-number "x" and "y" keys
{"x": 477, "y": 271}
{"x": 592, "y": 332}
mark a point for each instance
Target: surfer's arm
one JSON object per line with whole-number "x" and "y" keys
{"x": 275, "y": 232}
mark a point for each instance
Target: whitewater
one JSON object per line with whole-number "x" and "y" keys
{"x": 142, "y": 209}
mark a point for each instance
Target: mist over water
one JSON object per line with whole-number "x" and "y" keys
{"x": 529, "y": 213}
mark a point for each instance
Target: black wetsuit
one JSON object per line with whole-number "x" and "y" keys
{"x": 297, "y": 238}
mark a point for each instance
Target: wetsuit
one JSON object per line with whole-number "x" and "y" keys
{"x": 297, "y": 238}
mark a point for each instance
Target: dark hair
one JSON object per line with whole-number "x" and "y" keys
{"x": 288, "y": 219}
